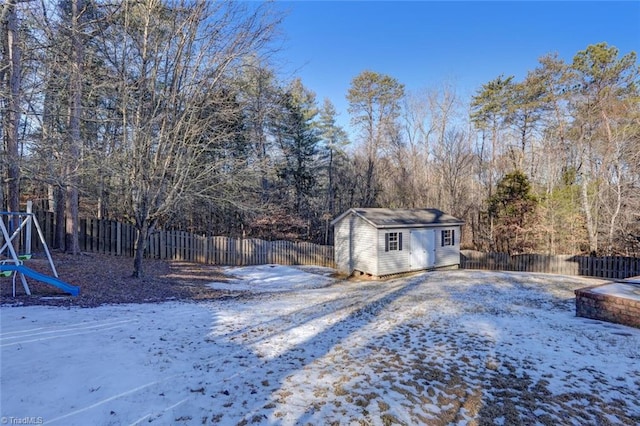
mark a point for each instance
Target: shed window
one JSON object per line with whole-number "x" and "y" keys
{"x": 393, "y": 241}
{"x": 448, "y": 237}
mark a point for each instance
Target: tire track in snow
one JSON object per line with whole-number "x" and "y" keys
{"x": 63, "y": 331}
{"x": 104, "y": 401}
{"x": 176, "y": 380}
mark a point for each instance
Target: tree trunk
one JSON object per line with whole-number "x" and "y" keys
{"x": 12, "y": 112}
{"x": 143, "y": 230}
{"x": 369, "y": 191}
{"x": 140, "y": 246}
{"x": 60, "y": 207}
{"x": 592, "y": 229}
{"x": 75, "y": 112}
{"x": 72, "y": 243}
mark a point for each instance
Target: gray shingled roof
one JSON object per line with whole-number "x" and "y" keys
{"x": 395, "y": 218}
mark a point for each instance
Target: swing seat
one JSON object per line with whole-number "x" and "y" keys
{"x": 4, "y": 272}
{"x": 21, "y": 257}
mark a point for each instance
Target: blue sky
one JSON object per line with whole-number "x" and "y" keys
{"x": 425, "y": 43}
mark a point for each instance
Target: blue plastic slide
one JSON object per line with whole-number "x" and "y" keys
{"x": 71, "y": 289}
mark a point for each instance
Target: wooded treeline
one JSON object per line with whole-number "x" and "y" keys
{"x": 172, "y": 114}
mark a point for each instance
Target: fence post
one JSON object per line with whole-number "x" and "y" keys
{"x": 118, "y": 239}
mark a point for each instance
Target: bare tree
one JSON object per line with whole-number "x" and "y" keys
{"x": 74, "y": 141}
{"x": 414, "y": 156}
{"x": 454, "y": 161}
{"x": 174, "y": 57}
{"x": 605, "y": 87}
{"x": 11, "y": 78}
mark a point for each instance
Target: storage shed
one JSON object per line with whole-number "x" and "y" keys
{"x": 382, "y": 242}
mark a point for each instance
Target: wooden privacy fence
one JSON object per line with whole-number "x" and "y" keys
{"x": 178, "y": 245}
{"x": 616, "y": 267}
{"x": 111, "y": 237}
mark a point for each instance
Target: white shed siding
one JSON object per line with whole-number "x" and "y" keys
{"x": 363, "y": 240}
{"x": 342, "y": 246}
{"x": 448, "y": 255}
{"x": 396, "y": 261}
{"x": 359, "y": 240}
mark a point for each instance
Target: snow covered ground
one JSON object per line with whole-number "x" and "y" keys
{"x": 297, "y": 347}
{"x": 624, "y": 290}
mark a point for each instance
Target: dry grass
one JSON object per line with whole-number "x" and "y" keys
{"x": 105, "y": 279}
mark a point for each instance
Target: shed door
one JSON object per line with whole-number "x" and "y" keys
{"x": 422, "y": 249}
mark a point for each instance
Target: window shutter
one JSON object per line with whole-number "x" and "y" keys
{"x": 441, "y": 238}
{"x": 386, "y": 241}
{"x": 453, "y": 237}
{"x": 399, "y": 240}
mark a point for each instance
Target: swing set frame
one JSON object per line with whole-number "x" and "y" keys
{"x": 25, "y": 222}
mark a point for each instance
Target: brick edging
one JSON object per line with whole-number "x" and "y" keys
{"x": 607, "y": 307}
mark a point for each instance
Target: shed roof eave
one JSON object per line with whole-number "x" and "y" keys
{"x": 342, "y": 216}
{"x": 424, "y": 225}
{"x": 395, "y": 224}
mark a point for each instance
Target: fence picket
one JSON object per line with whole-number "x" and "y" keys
{"x": 612, "y": 267}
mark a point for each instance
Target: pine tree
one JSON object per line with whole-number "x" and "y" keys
{"x": 374, "y": 105}
{"x": 298, "y": 138}
{"x": 512, "y": 207}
